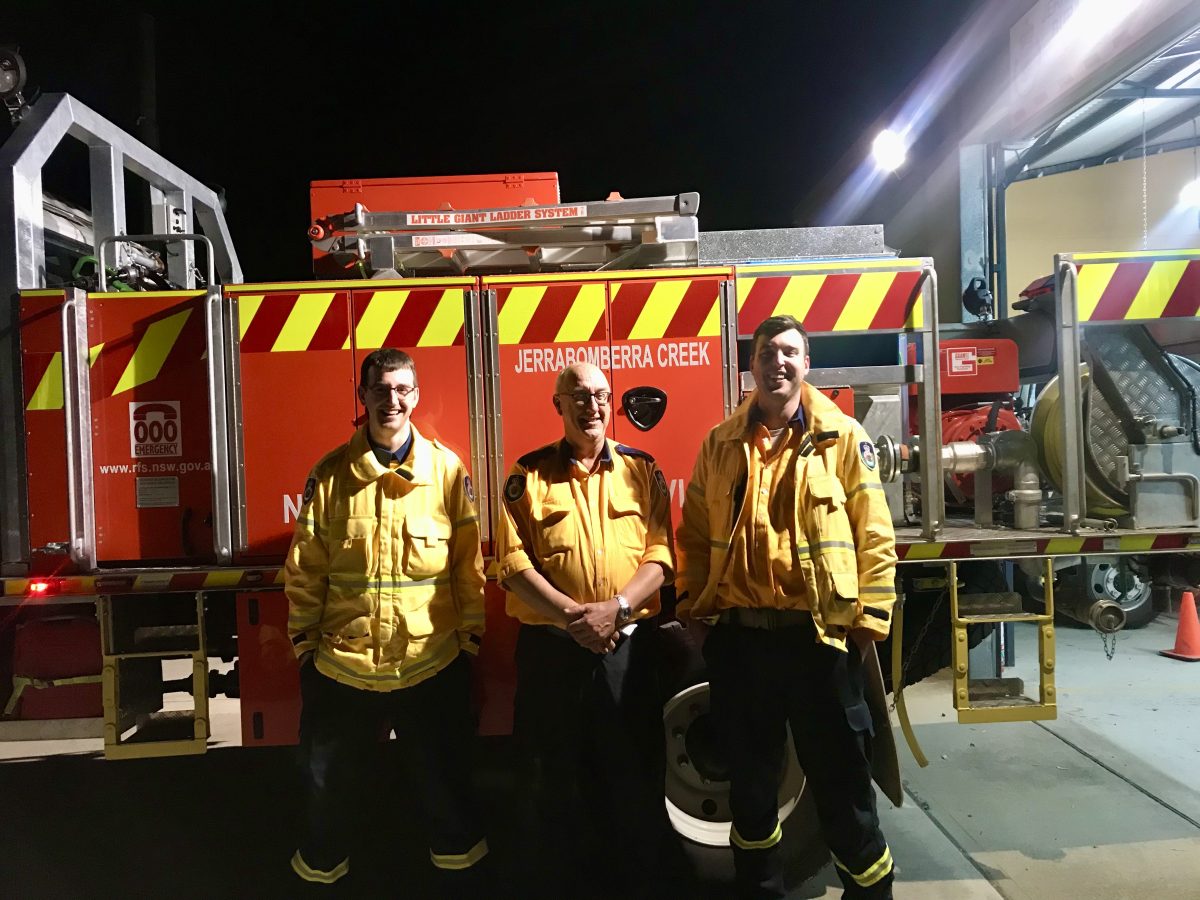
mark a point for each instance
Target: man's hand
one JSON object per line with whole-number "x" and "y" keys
{"x": 863, "y": 638}
{"x": 596, "y": 628}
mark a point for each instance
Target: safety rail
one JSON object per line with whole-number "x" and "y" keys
{"x": 1109, "y": 289}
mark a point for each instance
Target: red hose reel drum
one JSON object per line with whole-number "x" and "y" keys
{"x": 967, "y": 423}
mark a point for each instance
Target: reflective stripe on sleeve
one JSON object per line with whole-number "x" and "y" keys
{"x": 460, "y": 860}
{"x": 766, "y": 843}
{"x": 308, "y": 873}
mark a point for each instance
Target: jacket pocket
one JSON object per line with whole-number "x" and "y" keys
{"x": 426, "y": 547}
{"x": 557, "y": 528}
{"x": 628, "y": 523}
{"x": 351, "y": 547}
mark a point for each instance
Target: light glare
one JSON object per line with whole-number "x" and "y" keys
{"x": 888, "y": 150}
{"x": 1189, "y": 194}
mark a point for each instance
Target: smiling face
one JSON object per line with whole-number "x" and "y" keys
{"x": 586, "y": 424}
{"x": 390, "y": 400}
{"x": 779, "y": 366}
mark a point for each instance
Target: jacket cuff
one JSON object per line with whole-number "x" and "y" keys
{"x": 515, "y": 562}
{"x": 303, "y": 643}
{"x": 661, "y": 555}
{"x": 468, "y": 642}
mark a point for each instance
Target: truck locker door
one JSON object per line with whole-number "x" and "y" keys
{"x": 152, "y": 465}
{"x": 297, "y": 399}
{"x": 666, "y": 334}
{"x": 534, "y": 327}
{"x": 45, "y": 430}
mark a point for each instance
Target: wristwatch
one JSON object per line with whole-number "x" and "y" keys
{"x": 624, "y": 610}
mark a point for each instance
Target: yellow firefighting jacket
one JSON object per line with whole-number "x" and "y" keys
{"x": 586, "y": 533}
{"x": 384, "y": 577}
{"x": 841, "y": 529}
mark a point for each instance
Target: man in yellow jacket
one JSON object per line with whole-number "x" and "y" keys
{"x": 384, "y": 581}
{"x": 583, "y": 544}
{"x": 789, "y": 556}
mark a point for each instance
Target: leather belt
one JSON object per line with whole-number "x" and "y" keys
{"x": 764, "y": 617}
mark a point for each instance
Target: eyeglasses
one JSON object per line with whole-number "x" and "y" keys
{"x": 382, "y": 391}
{"x": 583, "y": 398}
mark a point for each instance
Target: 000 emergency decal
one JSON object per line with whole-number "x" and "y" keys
{"x": 155, "y": 430}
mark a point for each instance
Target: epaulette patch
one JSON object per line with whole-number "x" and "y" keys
{"x": 469, "y": 487}
{"x": 635, "y": 452}
{"x": 533, "y": 457}
{"x": 310, "y": 488}
{"x": 514, "y": 488}
{"x": 867, "y": 451}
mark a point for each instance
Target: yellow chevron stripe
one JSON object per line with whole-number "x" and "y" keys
{"x": 660, "y": 307}
{"x": 916, "y": 316}
{"x": 744, "y": 287}
{"x": 518, "y": 310}
{"x": 864, "y": 301}
{"x": 586, "y": 310}
{"x": 1156, "y": 290}
{"x": 302, "y": 322}
{"x": 223, "y": 578}
{"x": 712, "y": 322}
{"x": 247, "y": 309}
{"x": 279, "y": 577}
{"x": 1133, "y": 255}
{"x": 1093, "y": 279}
{"x": 1064, "y": 545}
{"x": 152, "y": 352}
{"x": 797, "y": 298}
{"x": 930, "y": 550}
{"x": 49, "y": 392}
{"x": 446, "y": 321}
{"x": 377, "y": 319}
{"x": 1138, "y": 543}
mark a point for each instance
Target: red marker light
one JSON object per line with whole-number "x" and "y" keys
{"x": 39, "y": 587}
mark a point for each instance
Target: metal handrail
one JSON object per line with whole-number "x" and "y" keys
{"x": 218, "y": 426}
{"x": 77, "y": 404}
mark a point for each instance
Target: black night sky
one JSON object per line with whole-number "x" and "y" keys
{"x": 751, "y": 104}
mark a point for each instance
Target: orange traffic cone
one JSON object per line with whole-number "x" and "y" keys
{"x": 1187, "y": 635}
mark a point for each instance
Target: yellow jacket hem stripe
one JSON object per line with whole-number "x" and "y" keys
{"x": 873, "y": 873}
{"x": 301, "y": 868}
{"x": 457, "y": 861}
{"x": 766, "y": 843}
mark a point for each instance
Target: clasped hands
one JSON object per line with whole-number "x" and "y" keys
{"x": 593, "y": 625}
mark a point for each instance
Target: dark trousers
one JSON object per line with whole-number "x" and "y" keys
{"x": 761, "y": 681}
{"x": 591, "y": 728}
{"x": 341, "y": 731}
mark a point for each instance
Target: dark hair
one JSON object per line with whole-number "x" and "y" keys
{"x": 768, "y": 328}
{"x": 387, "y": 359}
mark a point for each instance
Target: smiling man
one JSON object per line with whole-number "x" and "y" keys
{"x": 384, "y": 581}
{"x": 583, "y": 545}
{"x": 789, "y": 553}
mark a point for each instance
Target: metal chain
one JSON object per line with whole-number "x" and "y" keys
{"x": 1109, "y": 649}
{"x": 916, "y": 645}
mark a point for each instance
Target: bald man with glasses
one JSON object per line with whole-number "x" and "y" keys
{"x": 583, "y": 546}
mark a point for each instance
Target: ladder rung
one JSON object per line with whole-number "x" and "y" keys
{"x": 1005, "y": 617}
{"x": 1006, "y": 603}
{"x": 1003, "y": 691}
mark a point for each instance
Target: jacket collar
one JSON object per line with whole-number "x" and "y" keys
{"x": 365, "y": 465}
{"x": 821, "y": 414}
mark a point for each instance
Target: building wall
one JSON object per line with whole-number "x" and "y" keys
{"x": 1098, "y": 209}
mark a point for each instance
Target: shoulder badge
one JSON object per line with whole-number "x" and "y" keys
{"x": 867, "y": 451}
{"x": 514, "y": 488}
{"x": 470, "y": 488}
{"x": 310, "y": 488}
{"x": 634, "y": 452}
{"x": 661, "y": 481}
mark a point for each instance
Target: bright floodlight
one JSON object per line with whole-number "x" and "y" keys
{"x": 888, "y": 150}
{"x": 1189, "y": 194}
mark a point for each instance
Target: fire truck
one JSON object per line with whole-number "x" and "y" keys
{"x": 152, "y": 473}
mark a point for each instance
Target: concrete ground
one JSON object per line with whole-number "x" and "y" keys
{"x": 1100, "y": 803}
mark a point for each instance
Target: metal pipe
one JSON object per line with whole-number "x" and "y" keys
{"x": 966, "y": 456}
{"x": 1026, "y": 496}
